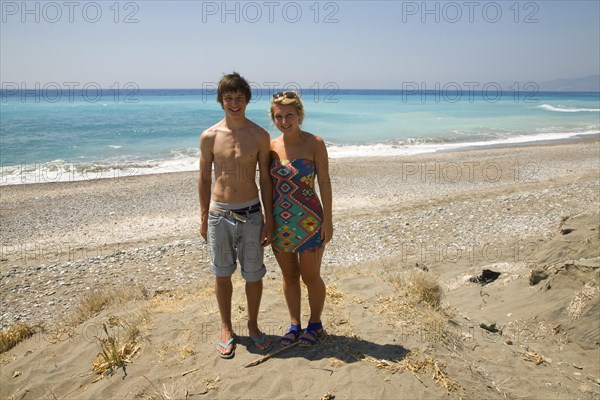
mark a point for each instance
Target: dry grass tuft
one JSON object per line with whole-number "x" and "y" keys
{"x": 416, "y": 308}
{"x": 534, "y": 357}
{"x": 392, "y": 366}
{"x": 418, "y": 364}
{"x": 178, "y": 299}
{"x": 94, "y": 302}
{"x": 419, "y": 287}
{"x": 164, "y": 394}
{"x": 15, "y": 335}
{"x": 113, "y": 355}
{"x": 334, "y": 295}
{"x": 428, "y": 365}
{"x": 328, "y": 396}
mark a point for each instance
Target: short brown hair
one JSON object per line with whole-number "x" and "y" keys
{"x": 233, "y": 83}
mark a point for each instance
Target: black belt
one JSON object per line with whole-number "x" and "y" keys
{"x": 248, "y": 210}
{"x": 241, "y": 214}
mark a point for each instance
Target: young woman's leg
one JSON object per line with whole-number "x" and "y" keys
{"x": 290, "y": 269}
{"x": 310, "y": 271}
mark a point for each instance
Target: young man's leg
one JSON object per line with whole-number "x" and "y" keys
{"x": 251, "y": 260}
{"x": 253, "y": 297}
{"x": 223, "y": 265}
{"x": 224, "y": 292}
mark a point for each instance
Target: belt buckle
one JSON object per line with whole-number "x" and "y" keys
{"x": 237, "y": 216}
{"x": 229, "y": 213}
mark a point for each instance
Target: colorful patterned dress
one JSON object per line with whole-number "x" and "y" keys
{"x": 296, "y": 207}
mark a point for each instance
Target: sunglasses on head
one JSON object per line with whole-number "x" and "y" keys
{"x": 288, "y": 95}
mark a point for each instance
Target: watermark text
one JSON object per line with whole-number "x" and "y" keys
{"x": 452, "y": 12}
{"x": 54, "y": 92}
{"x": 53, "y": 12}
{"x": 253, "y": 12}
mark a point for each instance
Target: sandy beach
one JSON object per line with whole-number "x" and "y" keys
{"x": 409, "y": 312}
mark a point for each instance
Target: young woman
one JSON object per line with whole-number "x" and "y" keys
{"x": 302, "y": 225}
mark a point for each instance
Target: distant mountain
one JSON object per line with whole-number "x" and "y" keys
{"x": 588, "y": 83}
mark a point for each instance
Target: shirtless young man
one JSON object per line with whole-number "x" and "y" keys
{"x": 231, "y": 219}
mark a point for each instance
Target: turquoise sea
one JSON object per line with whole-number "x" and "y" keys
{"x": 51, "y": 134}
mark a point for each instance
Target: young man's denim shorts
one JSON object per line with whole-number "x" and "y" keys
{"x": 230, "y": 239}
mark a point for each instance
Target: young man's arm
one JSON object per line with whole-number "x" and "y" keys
{"x": 266, "y": 187}
{"x": 205, "y": 180}
{"x": 322, "y": 169}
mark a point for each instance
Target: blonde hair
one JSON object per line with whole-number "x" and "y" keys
{"x": 287, "y": 101}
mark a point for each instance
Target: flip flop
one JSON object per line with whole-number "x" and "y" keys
{"x": 260, "y": 342}
{"x": 311, "y": 334}
{"x": 224, "y": 346}
{"x": 291, "y": 336}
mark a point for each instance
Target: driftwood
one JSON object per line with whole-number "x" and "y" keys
{"x": 266, "y": 357}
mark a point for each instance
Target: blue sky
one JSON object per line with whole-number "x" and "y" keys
{"x": 352, "y": 44}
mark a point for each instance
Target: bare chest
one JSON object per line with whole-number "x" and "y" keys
{"x": 235, "y": 151}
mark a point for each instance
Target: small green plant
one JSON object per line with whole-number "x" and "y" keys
{"x": 112, "y": 356}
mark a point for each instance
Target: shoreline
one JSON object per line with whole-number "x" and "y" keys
{"x": 587, "y": 138}
{"x": 116, "y": 175}
{"x": 470, "y": 146}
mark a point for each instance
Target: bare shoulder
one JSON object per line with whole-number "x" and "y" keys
{"x": 319, "y": 140}
{"x": 258, "y": 130}
{"x": 313, "y": 140}
{"x": 277, "y": 140}
{"x": 213, "y": 130}
{"x": 208, "y": 139}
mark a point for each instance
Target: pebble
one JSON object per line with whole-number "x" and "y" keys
{"x": 57, "y": 282}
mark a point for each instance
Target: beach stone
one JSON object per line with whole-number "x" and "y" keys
{"x": 486, "y": 276}
{"x": 490, "y": 327}
{"x": 422, "y": 266}
{"x": 536, "y": 277}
